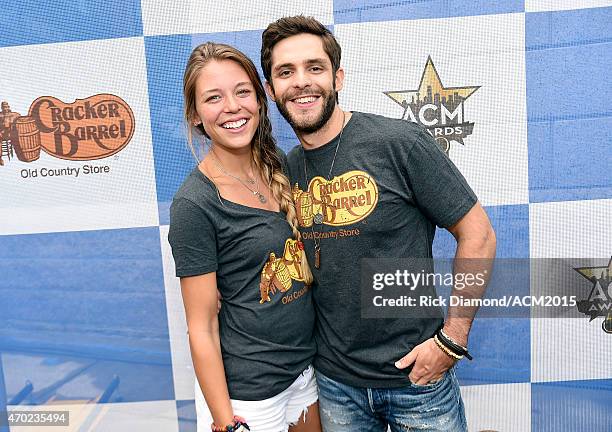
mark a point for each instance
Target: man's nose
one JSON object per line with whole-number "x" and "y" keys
{"x": 301, "y": 79}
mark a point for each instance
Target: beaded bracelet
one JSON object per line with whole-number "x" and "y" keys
{"x": 446, "y": 350}
{"x": 452, "y": 345}
{"x": 237, "y": 421}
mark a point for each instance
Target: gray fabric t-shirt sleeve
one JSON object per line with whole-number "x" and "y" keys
{"x": 193, "y": 240}
{"x": 440, "y": 190}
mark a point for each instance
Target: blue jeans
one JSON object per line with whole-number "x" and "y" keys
{"x": 434, "y": 407}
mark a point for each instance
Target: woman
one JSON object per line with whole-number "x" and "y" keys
{"x": 233, "y": 227}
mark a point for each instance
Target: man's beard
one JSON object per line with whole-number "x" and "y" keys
{"x": 305, "y": 126}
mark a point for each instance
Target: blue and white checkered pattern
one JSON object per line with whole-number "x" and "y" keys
{"x": 91, "y": 317}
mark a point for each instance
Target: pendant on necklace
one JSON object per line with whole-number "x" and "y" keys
{"x": 318, "y": 218}
{"x": 262, "y": 199}
{"x": 317, "y": 252}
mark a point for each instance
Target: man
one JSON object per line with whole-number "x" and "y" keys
{"x": 376, "y": 187}
{"x": 7, "y": 118}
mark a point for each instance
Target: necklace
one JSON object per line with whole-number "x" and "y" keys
{"x": 318, "y": 217}
{"x": 257, "y": 193}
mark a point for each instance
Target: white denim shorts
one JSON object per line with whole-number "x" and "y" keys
{"x": 275, "y": 414}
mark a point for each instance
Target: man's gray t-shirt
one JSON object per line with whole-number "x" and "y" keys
{"x": 391, "y": 185}
{"x": 266, "y": 320}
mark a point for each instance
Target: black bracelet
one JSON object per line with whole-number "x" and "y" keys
{"x": 451, "y": 345}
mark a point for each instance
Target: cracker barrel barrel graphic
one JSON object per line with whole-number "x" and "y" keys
{"x": 303, "y": 206}
{"x": 283, "y": 276}
{"x": 25, "y": 138}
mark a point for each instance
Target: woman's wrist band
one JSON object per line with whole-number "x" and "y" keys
{"x": 237, "y": 421}
{"x": 452, "y": 345}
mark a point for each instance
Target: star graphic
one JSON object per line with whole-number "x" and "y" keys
{"x": 602, "y": 272}
{"x": 430, "y": 78}
{"x": 595, "y": 305}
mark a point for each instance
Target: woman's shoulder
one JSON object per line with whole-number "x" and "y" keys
{"x": 196, "y": 189}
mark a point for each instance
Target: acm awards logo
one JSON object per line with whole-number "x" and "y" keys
{"x": 599, "y": 301}
{"x": 440, "y": 109}
{"x": 86, "y": 129}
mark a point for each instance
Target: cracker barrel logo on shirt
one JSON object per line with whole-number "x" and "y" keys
{"x": 343, "y": 200}
{"x": 278, "y": 272}
{"x": 86, "y": 129}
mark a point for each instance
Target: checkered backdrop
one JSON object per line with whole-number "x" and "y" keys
{"x": 91, "y": 318}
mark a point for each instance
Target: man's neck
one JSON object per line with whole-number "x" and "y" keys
{"x": 329, "y": 131}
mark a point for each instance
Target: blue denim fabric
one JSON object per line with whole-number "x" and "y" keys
{"x": 434, "y": 407}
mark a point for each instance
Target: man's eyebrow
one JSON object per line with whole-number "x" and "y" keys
{"x": 306, "y": 62}
{"x": 282, "y": 65}
{"x": 315, "y": 61}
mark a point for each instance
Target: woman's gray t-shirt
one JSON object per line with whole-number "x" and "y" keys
{"x": 266, "y": 320}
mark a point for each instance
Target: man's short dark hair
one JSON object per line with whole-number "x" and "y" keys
{"x": 295, "y": 25}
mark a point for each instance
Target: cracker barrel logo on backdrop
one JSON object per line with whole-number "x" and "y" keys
{"x": 343, "y": 200}
{"x": 86, "y": 129}
{"x": 440, "y": 109}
